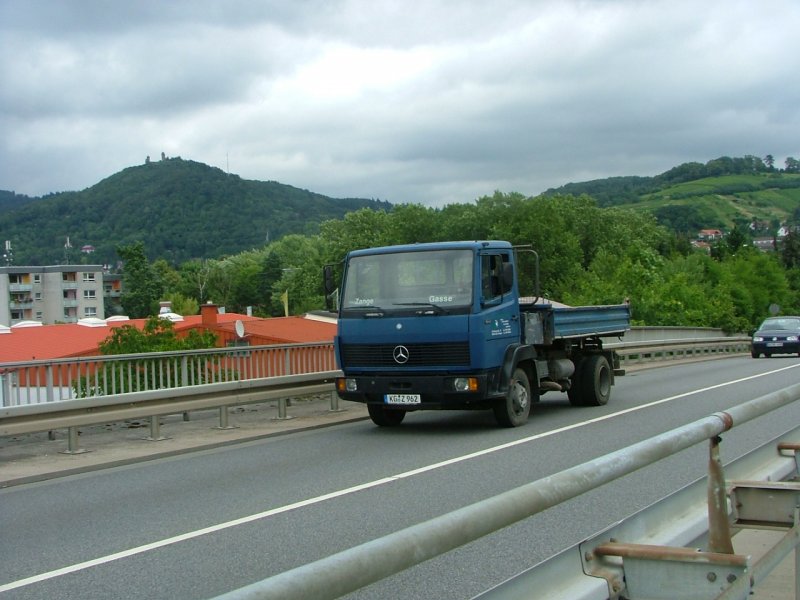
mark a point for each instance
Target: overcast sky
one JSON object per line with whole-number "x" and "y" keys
{"x": 431, "y": 102}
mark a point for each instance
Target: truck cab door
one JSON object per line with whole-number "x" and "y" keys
{"x": 498, "y": 323}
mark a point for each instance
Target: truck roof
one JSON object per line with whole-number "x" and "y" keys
{"x": 460, "y": 245}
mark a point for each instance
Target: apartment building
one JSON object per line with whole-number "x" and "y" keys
{"x": 53, "y": 294}
{"x": 112, "y": 293}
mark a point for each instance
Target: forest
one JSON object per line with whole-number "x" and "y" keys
{"x": 746, "y": 174}
{"x": 180, "y": 209}
{"x": 190, "y": 233}
{"x": 588, "y": 255}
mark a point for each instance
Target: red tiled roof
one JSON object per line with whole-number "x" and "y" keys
{"x": 289, "y": 330}
{"x": 50, "y": 341}
{"x": 72, "y": 340}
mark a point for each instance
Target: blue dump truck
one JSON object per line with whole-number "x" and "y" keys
{"x": 443, "y": 326}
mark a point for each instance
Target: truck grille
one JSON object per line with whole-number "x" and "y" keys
{"x": 419, "y": 355}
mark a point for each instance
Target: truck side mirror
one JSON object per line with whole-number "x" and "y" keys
{"x": 508, "y": 276}
{"x": 328, "y": 283}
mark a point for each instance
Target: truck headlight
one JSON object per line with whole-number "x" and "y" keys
{"x": 465, "y": 384}
{"x": 345, "y": 384}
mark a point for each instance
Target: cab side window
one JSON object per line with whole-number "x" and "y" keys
{"x": 492, "y": 266}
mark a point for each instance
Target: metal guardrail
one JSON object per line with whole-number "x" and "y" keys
{"x": 679, "y": 349}
{"x": 72, "y": 414}
{"x": 38, "y": 381}
{"x": 68, "y": 393}
{"x": 607, "y": 566}
{"x": 45, "y": 381}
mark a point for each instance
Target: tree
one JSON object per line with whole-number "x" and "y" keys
{"x": 194, "y": 278}
{"x": 411, "y": 223}
{"x": 157, "y": 335}
{"x": 220, "y": 282}
{"x": 790, "y": 250}
{"x": 247, "y": 289}
{"x": 684, "y": 218}
{"x": 141, "y": 286}
{"x": 294, "y": 265}
{"x": 170, "y": 278}
{"x": 757, "y": 281}
{"x": 637, "y": 274}
{"x": 736, "y": 239}
{"x": 462, "y": 222}
{"x": 272, "y": 266}
{"x": 360, "y": 229}
{"x": 181, "y": 304}
{"x": 769, "y": 160}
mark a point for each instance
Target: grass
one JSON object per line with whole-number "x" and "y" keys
{"x": 731, "y": 198}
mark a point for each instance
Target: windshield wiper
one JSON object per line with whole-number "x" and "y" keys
{"x": 377, "y": 310}
{"x": 436, "y": 308}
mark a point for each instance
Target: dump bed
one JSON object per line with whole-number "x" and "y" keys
{"x": 545, "y": 322}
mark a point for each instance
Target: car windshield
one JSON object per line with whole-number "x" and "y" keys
{"x": 789, "y": 323}
{"x": 440, "y": 280}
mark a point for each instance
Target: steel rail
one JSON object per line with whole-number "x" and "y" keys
{"x": 352, "y": 569}
{"x": 655, "y": 350}
{"x": 32, "y": 418}
{"x": 119, "y": 406}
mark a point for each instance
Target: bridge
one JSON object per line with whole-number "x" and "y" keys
{"x": 684, "y": 519}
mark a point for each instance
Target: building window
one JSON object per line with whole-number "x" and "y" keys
{"x": 88, "y": 276}
{"x": 89, "y": 295}
{"x": 37, "y": 296}
{"x": 37, "y": 278}
{"x": 90, "y": 311}
{"x": 38, "y": 315}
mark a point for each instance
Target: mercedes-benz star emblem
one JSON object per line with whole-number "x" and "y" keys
{"x": 400, "y": 354}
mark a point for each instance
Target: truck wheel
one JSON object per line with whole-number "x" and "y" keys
{"x": 385, "y": 417}
{"x": 513, "y": 410}
{"x": 592, "y": 382}
{"x": 575, "y": 391}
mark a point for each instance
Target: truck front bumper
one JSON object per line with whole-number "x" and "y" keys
{"x": 419, "y": 392}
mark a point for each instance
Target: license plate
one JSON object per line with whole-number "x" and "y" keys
{"x": 402, "y": 399}
{"x": 775, "y": 344}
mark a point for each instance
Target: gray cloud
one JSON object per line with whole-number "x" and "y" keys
{"x": 434, "y": 102}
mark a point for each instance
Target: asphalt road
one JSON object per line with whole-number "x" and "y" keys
{"x": 197, "y": 525}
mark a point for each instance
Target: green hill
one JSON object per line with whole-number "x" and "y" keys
{"x": 10, "y": 200}
{"x": 693, "y": 196}
{"x": 724, "y": 202}
{"x": 180, "y": 209}
{"x": 183, "y": 209}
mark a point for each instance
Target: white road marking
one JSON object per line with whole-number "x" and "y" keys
{"x": 364, "y": 486}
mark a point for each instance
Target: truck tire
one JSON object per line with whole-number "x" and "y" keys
{"x": 385, "y": 417}
{"x": 513, "y": 410}
{"x": 591, "y": 383}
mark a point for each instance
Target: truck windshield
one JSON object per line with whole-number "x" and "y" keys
{"x": 436, "y": 282}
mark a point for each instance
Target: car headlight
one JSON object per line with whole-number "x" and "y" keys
{"x": 758, "y": 338}
{"x": 791, "y": 338}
